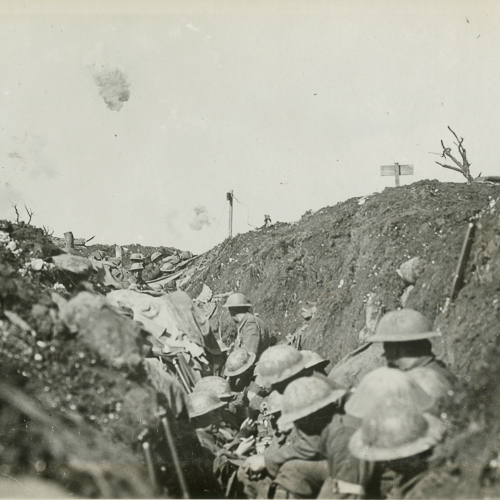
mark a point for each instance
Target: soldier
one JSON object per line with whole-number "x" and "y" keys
{"x": 229, "y": 423}
{"x": 296, "y": 468}
{"x": 136, "y": 270}
{"x": 204, "y": 413}
{"x": 239, "y": 370}
{"x": 405, "y": 334}
{"x": 152, "y": 269}
{"x": 346, "y": 472}
{"x": 400, "y": 437}
{"x": 278, "y": 366}
{"x": 253, "y": 334}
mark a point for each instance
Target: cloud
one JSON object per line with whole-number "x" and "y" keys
{"x": 200, "y": 218}
{"x": 113, "y": 86}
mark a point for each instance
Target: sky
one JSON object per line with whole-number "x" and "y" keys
{"x": 130, "y": 121}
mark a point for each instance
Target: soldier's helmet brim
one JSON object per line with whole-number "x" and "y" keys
{"x": 370, "y": 453}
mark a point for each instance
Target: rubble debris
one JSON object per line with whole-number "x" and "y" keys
{"x": 73, "y": 264}
{"x": 410, "y": 270}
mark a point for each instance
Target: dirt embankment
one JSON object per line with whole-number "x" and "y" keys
{"x": 341, "y": 256}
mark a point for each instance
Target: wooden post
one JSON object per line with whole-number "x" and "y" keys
{"x": 397, "y": 171}
{"x": 230, "y": 198}
{"x": 458, "y": 277}
{"x": 70, "y": 242}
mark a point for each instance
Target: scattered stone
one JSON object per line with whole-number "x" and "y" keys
{"x": 411, "y": 270}
{"x": 73, "y": 264}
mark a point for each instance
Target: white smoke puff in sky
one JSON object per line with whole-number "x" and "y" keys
{"x": 113, "y": 87}
{"x": 201, "y": 218}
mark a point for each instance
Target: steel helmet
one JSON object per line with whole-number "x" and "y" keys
{"x": 203, "y": 402}
{"x": 237, "y": 300}
{"x": 393, "y": 431}
{"x": 239, "y": 361}
{"x": 136, "y": 256}
{"x": 168, "y": 266}
{"x": 137, "y": 266}
{"x": 304, "y": 396}
{"x": 314, "y": 360}
{"x": 386, "y": 384}
{"x": 272, "y": 404}
{"x": 155, "y": 256}
{"x": 277, "y": 364}
{"x": 402, "y": 326}
{"x": 215, "y": 384}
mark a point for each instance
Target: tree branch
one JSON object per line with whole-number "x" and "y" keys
{"x": 450, "y": 167}
{"x": 30, "y": 214}
{"x": 18, "y": 217}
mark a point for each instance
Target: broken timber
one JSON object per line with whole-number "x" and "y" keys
{"x": 458, "y": 277}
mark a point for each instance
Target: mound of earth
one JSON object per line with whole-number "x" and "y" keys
{"x": 67, "y": 415}
{"x": 312, "y": 281}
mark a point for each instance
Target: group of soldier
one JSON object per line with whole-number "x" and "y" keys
{"x": 274, "y": 425}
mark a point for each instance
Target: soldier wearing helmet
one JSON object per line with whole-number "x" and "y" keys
{"x": 136, "y": 270}
{"x": 152, "y": 268}
{"x": 297, "y": 467}
{"x": 399, "y": 436}
{"x": 380, "y": 385}
{"x": 204, "y": 412}
{"x": 239, "y": 370}
{"x": 253, "y": 334}
{"x": 405, "y": 335}
{"x": 279, "y": 365}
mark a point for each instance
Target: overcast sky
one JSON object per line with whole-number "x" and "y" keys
{"x": 293, "y": 105}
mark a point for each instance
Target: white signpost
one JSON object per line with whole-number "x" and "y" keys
{"x": 396, "y": 170}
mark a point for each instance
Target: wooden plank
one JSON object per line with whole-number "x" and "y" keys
{"x": 391, "y": 170}
{"x": 405, "y": 169}
{"x": 387, "y": 169}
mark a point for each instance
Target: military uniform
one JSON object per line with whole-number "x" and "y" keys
{"x": 253, "y": 335}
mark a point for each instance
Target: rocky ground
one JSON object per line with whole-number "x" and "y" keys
{"x": 321, "y": 281}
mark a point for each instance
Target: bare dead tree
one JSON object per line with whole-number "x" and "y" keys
{"x": 18, "y": 217}
{"x": 30, "y": 214}
{"x": 464, "y": 166}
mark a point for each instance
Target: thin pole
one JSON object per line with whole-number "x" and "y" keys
{"x": 149, "y": 462}
{"x": 396, "y": 173}
{"x": 230, "y": 198}
{"x": 175, "y": 457}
